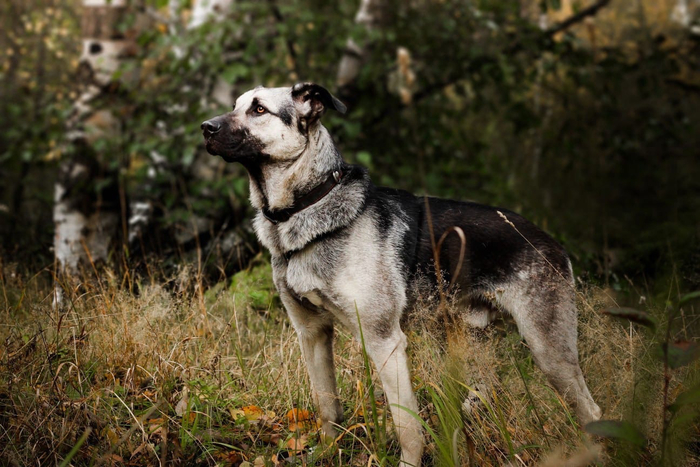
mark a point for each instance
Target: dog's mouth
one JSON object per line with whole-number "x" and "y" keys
{"x": 233, "y": 146}
{"x": 214, "y": 147}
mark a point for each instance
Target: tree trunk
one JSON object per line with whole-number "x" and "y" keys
{"x": 368, "y": 15}
{"x": 87, "y": 204}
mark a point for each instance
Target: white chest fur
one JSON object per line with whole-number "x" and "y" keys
{"x": 302, "y": 275}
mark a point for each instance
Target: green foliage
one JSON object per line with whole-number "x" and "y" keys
{"x": 36, "y": 42}
{"x": 617, "y": 430}
{"x": 674, "y": 356}
{"x": 253, "y": 288}
{"x": 595, "y": 144}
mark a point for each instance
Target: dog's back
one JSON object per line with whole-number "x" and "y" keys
{"x": 498, "y": 244}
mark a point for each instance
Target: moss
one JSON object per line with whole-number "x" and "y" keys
{"x": 253, "y": 288}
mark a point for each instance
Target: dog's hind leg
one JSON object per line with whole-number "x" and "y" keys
{"x": 315, "y": 333}
{"x": 546, "y": 317}
{"x": 388, "y": 352}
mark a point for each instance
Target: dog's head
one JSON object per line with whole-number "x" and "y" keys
{"x": 270, "y": 123}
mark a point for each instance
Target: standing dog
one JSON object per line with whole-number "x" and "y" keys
{"x": 345, "y": 250}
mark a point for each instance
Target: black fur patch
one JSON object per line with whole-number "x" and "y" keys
{"x": 285, "y": 114}
{"x": 384, "y": 326}
{"x": 494, "y": 252}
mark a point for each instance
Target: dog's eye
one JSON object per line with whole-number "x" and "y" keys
{"x": 260, "y": 109}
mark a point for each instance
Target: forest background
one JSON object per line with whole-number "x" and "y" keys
{"x": 582, "y": 116}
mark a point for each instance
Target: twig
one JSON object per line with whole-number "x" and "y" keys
{"x": 462, "y": 249}
{"x": 577, "y": 18}
{"x": 436, "y": 257}
{"x": 511, "y": 49}
{"x": 290, "y": 46}
{"x": 571, "y": 284}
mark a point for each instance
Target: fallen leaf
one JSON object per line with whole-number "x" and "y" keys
{"x": 298, "y": 443}
{"x": 296, "y": 415}
{"x": 111, "y": 436}
{"x": 233, "y": 458}
{"x": 252, "y": 412}
{"x": 300, "y": 420}
{"x": 273, "y": 439}
{"x": 155, "y": 424}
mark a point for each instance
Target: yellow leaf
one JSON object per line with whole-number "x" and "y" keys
{"x": 111, "y": 436}
{"x": 296, "y": 415}
{"x": 252, "y": 412}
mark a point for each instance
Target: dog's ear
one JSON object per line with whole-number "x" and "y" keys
{"x": 312, "y": 100}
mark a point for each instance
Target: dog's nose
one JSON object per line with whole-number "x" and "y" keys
{"x": 211, "y": 127}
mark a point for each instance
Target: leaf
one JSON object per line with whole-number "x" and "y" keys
{"x": 636, "y": 316}
{"x": 252, "y": 412}
{"x": 691, "y": 396}
{"x": 688, "y": 297}
{"x": 616, "y": 429}
{"x": 296, "y": 415}
{"x": 236, "y": 413}
{"x": 364, "y": 158}
{"x": 299, "y": 420}
{"x": 298, "y": 443}
{"x": 678, "y": 354}
{"x": 234, "y": 71}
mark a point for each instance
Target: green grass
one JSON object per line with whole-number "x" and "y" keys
{"x": 165, "y": 373}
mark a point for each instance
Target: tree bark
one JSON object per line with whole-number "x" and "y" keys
{"x": 368, "y": 16}
{"x": 86, "y": 201}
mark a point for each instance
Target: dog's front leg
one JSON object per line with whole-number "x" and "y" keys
{"x": 389, "y": 356}
{"x": 315, "y": 333}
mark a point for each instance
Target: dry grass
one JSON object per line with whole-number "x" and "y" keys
{"x": 164, "y": 373}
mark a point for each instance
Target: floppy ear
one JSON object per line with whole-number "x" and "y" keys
{"x": 312, "y": 100}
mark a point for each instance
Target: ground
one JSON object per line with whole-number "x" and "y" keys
{"x": 151, "y": 372}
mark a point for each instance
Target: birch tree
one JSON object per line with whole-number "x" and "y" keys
{"x": 368, "y": 16}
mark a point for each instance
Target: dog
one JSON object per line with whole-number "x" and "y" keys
{"x": 344, "y": 250}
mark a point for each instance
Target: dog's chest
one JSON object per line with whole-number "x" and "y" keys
{"x": 308, "y": 276}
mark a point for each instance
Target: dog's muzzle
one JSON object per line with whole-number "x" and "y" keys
{"x": 210, "y": 130}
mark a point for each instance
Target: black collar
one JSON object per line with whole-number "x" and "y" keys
{"x": 303, "y": 202}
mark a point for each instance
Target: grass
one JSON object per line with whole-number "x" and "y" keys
{"x": 145, "y": 371}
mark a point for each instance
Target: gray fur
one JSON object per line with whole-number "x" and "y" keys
{"x": 354, "y": 254}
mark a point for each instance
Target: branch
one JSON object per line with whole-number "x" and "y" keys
{"x": 689, "y": 87}
{"x": 511, "y": 49}
{"x": 577, "y": 18}
{"x": 290, "y": 47}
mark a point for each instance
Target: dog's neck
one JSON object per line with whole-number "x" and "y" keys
{"x": 275, "y": 184}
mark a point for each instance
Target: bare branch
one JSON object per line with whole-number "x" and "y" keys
{"x": 577, "y": 18}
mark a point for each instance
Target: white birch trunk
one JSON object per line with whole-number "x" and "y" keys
{"x": 207, "y": 10}
{"x": 84, "y": 229}
{"x": 368, "y": 15}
